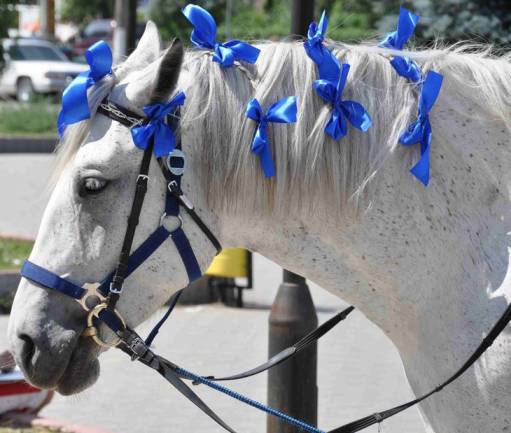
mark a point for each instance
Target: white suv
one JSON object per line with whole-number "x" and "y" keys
{"x": 33, "y": 66}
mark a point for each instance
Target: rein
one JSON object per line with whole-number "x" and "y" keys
{"x": 99, "y": 301}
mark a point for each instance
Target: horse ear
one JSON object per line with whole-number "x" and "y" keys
{"x": 146, "y": 52}
{"x": 168, "y": 72}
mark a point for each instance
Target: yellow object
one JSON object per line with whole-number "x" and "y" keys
{"x": 230, "y": 263}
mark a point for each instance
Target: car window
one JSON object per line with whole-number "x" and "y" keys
{"x": 35, "y": 52}
{"x": 98, "y": 28}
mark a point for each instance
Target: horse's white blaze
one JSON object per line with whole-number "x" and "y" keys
{"x": 429, "y": 265}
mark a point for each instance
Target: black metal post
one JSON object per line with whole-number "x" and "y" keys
{"x": 292, "y": 386}
{"x": 130, "y": 20}
{"x": 302, "y": 14}
{"x": 124, "y": 33}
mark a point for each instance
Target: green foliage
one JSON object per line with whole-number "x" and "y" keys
{"x": 453, "y": 20}
{"x": 250, "y": 23}
{"x": 172, "y": 23}
{"x": 36, "y": 118}
{"x": 349, "y": 19}
{"x": 14, "y": 252}
{"x": 8, "y": 17}
{"x": 80, "y": 12}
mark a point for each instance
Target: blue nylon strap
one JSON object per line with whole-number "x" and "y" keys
{"x": 48, "y": 279}
{"x": 171, "y": 204}
{"x": 187, "y": 255}
{"x": 110, "y": 319}
{"x": 139, "y": 256}
{"x": 154, "y": 332}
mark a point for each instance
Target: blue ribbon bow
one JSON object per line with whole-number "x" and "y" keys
{"x": 283, "y": 111}
{"x": 420, "y": 130}
{"x": 164, "y": 138}
{"x": 204, "y": 36}
{"x": 343, "y": 110}
{"x": 404, "y": 66}
{"x": 75, "y": 106}
{"x": 327, "y": 63}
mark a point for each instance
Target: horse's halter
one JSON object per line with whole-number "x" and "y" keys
{"x": 100, "y": 300}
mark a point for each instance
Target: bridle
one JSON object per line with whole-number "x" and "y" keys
{"x": 100, "y": 301}
{"x": 109, "y": 290}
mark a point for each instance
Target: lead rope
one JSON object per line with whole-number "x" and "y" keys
{"x": 240, "y": 397}
{"x": 134, "y": 346}
{"x": 362, "y": 423}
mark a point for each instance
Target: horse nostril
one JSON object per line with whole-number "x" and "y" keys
{"x": 27, "y": 351}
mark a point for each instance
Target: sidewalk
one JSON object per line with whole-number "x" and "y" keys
{"x": 24, "y": 190}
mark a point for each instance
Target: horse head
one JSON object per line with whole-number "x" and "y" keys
{"x": 82, "y": 230}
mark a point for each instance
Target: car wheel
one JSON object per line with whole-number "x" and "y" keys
{"x": 24, "y": 90}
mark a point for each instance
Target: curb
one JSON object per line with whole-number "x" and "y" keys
{"x": 57, "y": 425}
{"x": 27, "y": 144}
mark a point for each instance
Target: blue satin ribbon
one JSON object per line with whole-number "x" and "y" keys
{"x": 331, "y": 83}
{"x": 164, "y": 138}
{"x": 204, "y": 36}
{"x": 343, "y": 110}
{"x": 396, "y": 40}
{"x": 75, "y": 106}
{"x": 420, "y": 130}
{"x": 283, "y": 111}
{"x": 327, "y": 63}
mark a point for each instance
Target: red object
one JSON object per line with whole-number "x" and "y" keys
{"x": 15, "y": 388}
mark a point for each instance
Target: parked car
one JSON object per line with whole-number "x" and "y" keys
{"x": 96, "y": 30}
{"x": 32, "y": 66}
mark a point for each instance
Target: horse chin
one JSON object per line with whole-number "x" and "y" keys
{"x": 82, "y": 370}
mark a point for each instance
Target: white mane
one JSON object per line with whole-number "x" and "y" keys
{"x": 309, "y": 164}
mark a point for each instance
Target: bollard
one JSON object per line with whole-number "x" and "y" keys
{"x": 292, "y": 385}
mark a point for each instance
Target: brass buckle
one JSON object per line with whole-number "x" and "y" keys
{"x": 92, "y": 331}
{"x": 92, "y": 291}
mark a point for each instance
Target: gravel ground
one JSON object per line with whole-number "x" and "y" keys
{"x": 359, "y": 371}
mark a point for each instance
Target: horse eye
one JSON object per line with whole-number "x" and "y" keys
{"x": 93, "y": 185}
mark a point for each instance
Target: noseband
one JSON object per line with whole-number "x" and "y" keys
{"x": 100, "y": 300}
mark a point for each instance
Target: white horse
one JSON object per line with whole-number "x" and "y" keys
{"x": 429, "y": 266}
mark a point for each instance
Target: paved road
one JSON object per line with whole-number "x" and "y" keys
{"x": 24, "y": 190}
{"x": 359, "y": 370}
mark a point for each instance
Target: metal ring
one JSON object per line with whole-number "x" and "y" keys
{"x": 176, "y": 171}
{"x": 91, "y": 291}
{"x": 164, "y": 216}
{"x": 92, "y": 331}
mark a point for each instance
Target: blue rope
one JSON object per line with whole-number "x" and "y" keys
{"x": 286, "y": 418}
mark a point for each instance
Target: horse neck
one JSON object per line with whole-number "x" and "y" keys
{"x": 412, "y": 252}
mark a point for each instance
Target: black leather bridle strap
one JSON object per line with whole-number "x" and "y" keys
{"x": 136, "y": 209}
{"x": 134, "y": 346}
{"x": 177, "y": 193}
{"x": 380, "y": 416}
{"x": 120, "y": 114}
{"x": 291, "y": 351}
